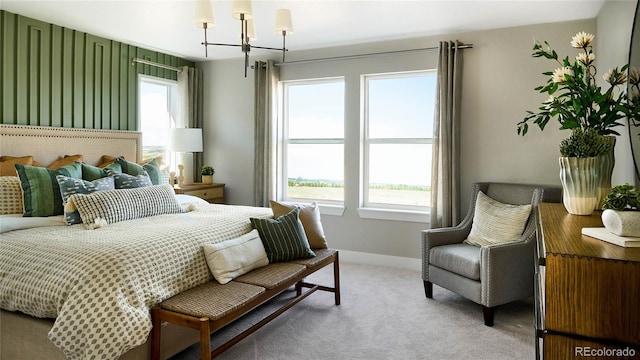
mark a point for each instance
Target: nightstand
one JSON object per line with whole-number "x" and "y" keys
{"x": 213, "y": 193}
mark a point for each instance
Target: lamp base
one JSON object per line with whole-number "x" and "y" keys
{"x": 181, "y": 175}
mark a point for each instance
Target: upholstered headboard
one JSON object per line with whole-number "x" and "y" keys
{"x": 47, "y": 144}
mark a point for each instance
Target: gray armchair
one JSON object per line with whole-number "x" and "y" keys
{"x": 488, "y": 275}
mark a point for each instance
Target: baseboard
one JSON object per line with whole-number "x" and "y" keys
{"x": 356, "y": 257}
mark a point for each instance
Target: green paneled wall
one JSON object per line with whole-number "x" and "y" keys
{"x": 54, "y": 76}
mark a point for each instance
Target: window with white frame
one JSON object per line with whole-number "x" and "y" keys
{"x": 398, "y": 113}
{"x": 157, "y": 109}
{"x": 312, "y": 136}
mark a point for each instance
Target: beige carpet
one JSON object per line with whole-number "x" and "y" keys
{"x": 384, "y": 315}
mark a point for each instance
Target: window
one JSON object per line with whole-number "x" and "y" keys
{"x": 313, "y": 141}
{"x": 398, "y": 124}
{"x": 157, "y": 110}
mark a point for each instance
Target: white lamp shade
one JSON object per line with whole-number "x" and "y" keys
{"x": 251, "y": 31}
{"x": 205, "y": 14}
{"x": 187, "y": 140}
{"x": 242, "y": 7}
{"x": 283, "y": 22}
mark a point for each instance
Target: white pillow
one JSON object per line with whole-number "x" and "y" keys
{"x": 495, "y": 222}
{"x": 18, "y": 222}
{"x": 184, "y": 199}
{"x": 232, "y": 258}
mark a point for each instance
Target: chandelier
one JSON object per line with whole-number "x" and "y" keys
{"x": 243, "y": 10}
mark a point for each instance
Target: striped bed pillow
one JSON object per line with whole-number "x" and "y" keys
{"x": 283, "y": 238}
{"x": 41, "y": 190}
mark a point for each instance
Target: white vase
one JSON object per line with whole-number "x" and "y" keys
{"x": 579, "y": 178}
{"x": 622, "y": 223}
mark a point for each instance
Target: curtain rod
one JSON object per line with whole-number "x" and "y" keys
{"x": 348, "y": 57}
{"x": 147, "y": 62}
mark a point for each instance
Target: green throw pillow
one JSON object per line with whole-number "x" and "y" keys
{"x": 126, "y": 181}
{"x": 41, "y": 192}
{"x": 70, "y": 186}
{"x": 151, "y": 168}
{"x": 283, "y": 238}
{"x": 91, "y": 173}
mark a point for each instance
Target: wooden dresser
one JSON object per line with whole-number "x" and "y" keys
{"x": 587, "y": 290}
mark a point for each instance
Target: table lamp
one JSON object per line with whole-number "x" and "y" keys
{"x": 187, "y": 141}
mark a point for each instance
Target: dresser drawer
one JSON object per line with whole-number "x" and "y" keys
{"x": 207, "y": 194}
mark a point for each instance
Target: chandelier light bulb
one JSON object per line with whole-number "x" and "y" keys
{"x": 242, "y": 7}
{"x": 283, "y": 25}
{"x": 205, "y": 17}
{"x": 251, "y": 31}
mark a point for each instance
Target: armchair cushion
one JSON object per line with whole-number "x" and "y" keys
{"x": 495, "y": 222}
{"x": 461, "y": 259}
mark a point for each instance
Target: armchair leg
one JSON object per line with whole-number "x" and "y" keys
{"x": 488, "y": 313}
{"x": 428, "y": 289}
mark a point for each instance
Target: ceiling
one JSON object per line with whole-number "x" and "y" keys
{"x": 168, "y": 26}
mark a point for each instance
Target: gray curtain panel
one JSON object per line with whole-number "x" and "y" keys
{"x": 445, "y": 171}
{"x": 265, "y": 117}
{"x": 190, "y": 92}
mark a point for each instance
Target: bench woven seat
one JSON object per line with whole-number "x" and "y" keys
{"x": 210, "y": 307}
{"x": 212, "y": 300}
{"x": 321, "y": 255}
{"x": 272, "y": 275}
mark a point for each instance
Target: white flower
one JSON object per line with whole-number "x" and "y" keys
{"x": 634, "y": 75}
{"x": 586, "y": 59}
{"x": 615, "y": 78}
{"x": 581, "y": 40}
{"x": 560, "y": 74}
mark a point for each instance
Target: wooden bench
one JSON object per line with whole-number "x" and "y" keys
{"x": 211, "y": 306}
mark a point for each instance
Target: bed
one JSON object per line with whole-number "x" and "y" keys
{"x": 81, "y": 293}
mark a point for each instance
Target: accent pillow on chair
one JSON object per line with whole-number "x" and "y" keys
{"x": 495, "y": 222}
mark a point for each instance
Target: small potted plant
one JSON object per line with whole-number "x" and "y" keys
{"x": 207, "y": 174}
{"x": 621, "y": 214}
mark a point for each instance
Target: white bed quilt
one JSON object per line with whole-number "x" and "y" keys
{"x": 100, "y": 284}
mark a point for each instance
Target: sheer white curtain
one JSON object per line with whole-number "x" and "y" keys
{"x": 265, "y": 138}
{"x": 190, "y": 100}
{"x": 445, "y": 172}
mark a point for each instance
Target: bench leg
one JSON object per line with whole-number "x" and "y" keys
{"x": 336, "y": 280}
{"x": 205, "y": 339}
{"x": 155, "y": 334}
{"x": 299, "y": 287}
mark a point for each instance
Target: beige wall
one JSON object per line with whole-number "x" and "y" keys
{"x": 499, "y": 77}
